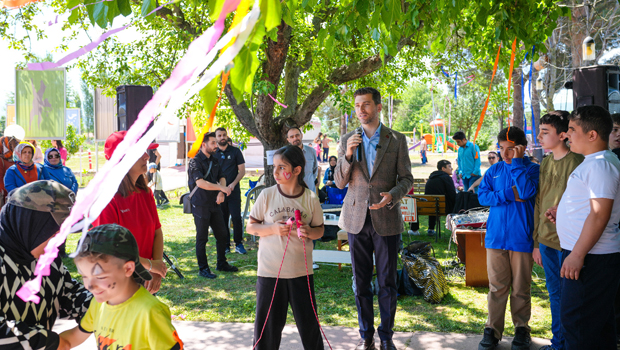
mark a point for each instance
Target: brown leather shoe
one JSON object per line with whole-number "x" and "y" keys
{"x": 388, "y": 345}
{"x": 366, "y": 344}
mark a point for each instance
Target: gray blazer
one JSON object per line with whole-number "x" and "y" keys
{"x": 391, "y": 173}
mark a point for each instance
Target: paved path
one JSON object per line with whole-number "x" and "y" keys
{"x": 238, "y": 336}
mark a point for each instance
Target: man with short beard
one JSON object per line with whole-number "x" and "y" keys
{"x": 205, "y": 173}
{"x": 311, "y": 170}
{"x": 233, "y": 167}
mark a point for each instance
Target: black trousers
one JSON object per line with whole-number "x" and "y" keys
{"x": 385, "y": 248}
{"x": 293, "y": 291}
{"x": 232, "y": 208}
{"x": 432, "y": 222}
{"x": 160, "y": 196}
{"x": 203, "y": 218}
{"x": 325, "y": 154}
{"x": 586, "y": 307}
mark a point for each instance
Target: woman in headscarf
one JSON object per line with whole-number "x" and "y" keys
{"x": 7, "y": 145}
{"x": 25, "y": 170}
{"x": 57, "y": 171}
{"x": 63, "y": 151}
{"x": 28, "y": 221}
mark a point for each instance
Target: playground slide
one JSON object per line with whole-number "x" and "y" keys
{"x": 451, "y": 145}
{"x": 414, "y": 146}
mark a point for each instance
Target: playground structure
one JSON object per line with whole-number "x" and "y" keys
{"x": 436, "y": 141}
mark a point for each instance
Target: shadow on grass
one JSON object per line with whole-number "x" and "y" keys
{"x": 231, "y": 297}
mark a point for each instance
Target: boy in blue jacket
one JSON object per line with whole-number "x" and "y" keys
{"x": 509, "y": 188}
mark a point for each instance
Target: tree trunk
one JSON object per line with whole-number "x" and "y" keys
{"x": 517, "y": 105}
{"x": 343, "y": 124}
{"x": 536, "y": 107}
{"x": 578, "y": 33}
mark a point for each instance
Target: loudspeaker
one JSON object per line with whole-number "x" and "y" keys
{"x": 130, "y": 100}
{"x": 597, "y": 85}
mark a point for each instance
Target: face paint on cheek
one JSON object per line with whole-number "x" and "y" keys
{"x": 287, "y": 175}
{"x": 97, "y": 270}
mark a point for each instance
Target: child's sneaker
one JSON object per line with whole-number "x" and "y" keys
{"x": 431, "y": 233}
{"x": 414, "y": 233}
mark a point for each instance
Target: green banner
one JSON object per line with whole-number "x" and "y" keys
{"x": 40, "y": 103}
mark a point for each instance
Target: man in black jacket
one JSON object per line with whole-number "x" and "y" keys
{"x": 439, "y": 182}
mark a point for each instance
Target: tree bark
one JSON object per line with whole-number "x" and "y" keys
{"x": 578, "y": 33}
{"x": 536, "y": 107}
{"x": 343, "y": 125}
{"x": 517, "y": 105}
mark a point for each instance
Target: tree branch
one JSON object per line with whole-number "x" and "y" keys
{"x": 342, "y": 75}
{"x": 243, "y": 113}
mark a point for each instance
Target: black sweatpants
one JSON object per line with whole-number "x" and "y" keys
{"x": 203, "y": 218}
{"x": 586, "y": 307}
{"x": 232, "y": 208}
{"x": 292, "y": 291}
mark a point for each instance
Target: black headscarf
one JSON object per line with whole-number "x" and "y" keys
{"x": 22, "y": 230}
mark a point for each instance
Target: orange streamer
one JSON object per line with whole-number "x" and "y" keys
{"x": 242, "y": 10}
{"x": 512, "y": 64}
{"x": 205, "y": 129}
{"x": 14, "y": 4}
{"x": 486, "y": 104}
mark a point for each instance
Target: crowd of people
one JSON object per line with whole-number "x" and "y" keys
{"x": 562, "y": 214}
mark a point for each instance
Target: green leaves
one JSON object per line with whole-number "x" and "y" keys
{"x": 271, "y": 10}
{"x": 362, "y": 7}
{"x": 390, "y": 12}
{"x": 209, "y": 95}
{"x": 147, "y": 7}
{"x": 246, "y": 63}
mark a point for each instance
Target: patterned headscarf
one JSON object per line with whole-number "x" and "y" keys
{"x": 7, "y": 148}
{"x": 17, "y": 156}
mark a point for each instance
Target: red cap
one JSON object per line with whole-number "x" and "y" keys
{"x": 113, "y": 140}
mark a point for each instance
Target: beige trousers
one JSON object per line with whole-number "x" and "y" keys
{"x": 508, "y": 269}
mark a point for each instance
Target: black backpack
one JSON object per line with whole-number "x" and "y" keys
{"x": 465, "y": 201}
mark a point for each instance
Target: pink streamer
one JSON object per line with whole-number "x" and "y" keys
{"x": 181, "y": 74}
{"x": 278, "y": 102}
{"x": 90, "y": 46}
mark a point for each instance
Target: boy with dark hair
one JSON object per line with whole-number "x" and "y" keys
{"x": 587, "y": 225}
{"x": 554, "y": 173}
{"x": 509, "y": 188}
{"x": 468, "y": 160}
{"x": 440, "y": 183}
{"x": 124, "y": 315}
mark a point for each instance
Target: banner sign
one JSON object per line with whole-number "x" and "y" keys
{"x": 105, "y": 115}
{"x": 40, "y": 103}
{"x": 72, "y": 117}
{"x": 409, "y": 210}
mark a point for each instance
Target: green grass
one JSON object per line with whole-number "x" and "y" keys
{"x": 231, "y": 296}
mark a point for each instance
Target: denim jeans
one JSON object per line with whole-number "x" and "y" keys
{"x": 552, "y": 263}
{"x": 470, "y": 181}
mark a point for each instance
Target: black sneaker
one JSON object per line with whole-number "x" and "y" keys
{"x": 226, "y": 267}
{"x": 207, "y": 273}
{"x": 522, "y": 340}
{"x": 488, "y": 342}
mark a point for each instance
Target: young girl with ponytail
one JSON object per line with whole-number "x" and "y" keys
{"x": 268, "y": 220}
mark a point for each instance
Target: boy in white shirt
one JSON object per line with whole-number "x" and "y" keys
{"x": 587, "y": 225}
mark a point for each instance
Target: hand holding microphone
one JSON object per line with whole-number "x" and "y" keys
{"x": 353, "y": 144}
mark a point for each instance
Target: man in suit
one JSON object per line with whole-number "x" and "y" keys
{"x": 378, "y": 175}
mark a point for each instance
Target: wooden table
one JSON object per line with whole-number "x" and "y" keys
{"x": 472, "y": 252}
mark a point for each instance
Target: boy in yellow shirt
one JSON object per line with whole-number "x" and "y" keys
{"x": 124, "y": 315}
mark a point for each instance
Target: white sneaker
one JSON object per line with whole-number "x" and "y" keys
{"x": 315, "y": 266}
{"x": 413, "y": 233}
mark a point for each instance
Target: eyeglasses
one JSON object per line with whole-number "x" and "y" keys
{"x": 51, "y": 156}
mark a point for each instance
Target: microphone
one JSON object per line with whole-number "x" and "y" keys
{"x": 359, "y": 149}
{"x": 298, "y": 221}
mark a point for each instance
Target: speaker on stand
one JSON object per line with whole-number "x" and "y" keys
{"x": 130, "y": 99}
{"x": 596, "y": 85}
